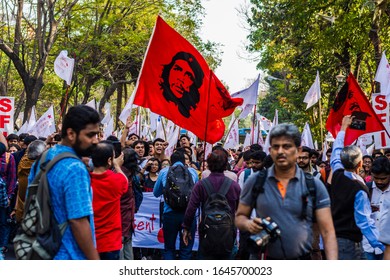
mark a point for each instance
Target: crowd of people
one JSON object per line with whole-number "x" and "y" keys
{"x": 285, "y": 203}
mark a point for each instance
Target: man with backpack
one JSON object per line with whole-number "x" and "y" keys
{"x": 218, "y": 197}
{"x": 283, "y": 204}
{"x": 175, "y": 183}
{"x": 70, "y": 185}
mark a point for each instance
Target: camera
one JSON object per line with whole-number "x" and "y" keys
{"x": 269, "y": 233}
{"x": 359, "y": 120}
{"x": 148, "y": 168}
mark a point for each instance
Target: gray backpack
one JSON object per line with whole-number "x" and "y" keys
{"x": 39, "y": 236}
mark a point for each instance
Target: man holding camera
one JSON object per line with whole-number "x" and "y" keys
{"x": 284, "y": 207}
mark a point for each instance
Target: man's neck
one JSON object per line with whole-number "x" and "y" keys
{"x": 285, "y": 174}
{"x": 99, "y": 170}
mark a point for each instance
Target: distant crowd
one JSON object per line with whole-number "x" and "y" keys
{"x": 290, "y": 202}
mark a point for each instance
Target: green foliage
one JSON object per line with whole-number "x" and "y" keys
{"x": 297, "y": 38}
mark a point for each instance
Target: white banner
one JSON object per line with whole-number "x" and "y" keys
{"x": 148, "y": 232}
{"x": 381, "y": 108}
{"x": 7, "y": 111}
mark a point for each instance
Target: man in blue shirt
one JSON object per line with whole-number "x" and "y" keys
{"x": 351, "y": 207}
{"x": 70, "y": 184}
{"x": 172, "y": 219}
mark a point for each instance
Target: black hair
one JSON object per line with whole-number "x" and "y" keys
{"x": 22, "y": 136}
{"x": 268, "y": 161}
{"x": 217, "y": 161}
{"x": 12, "y": 136}
{"x": 258, "y": 155}
{"x": 133, "y": 134}
{"x": 158, "y": 140}
{"x": 190, "y": 99}
{"x": 101, "y": 154}
{"x": 177, "y": 156}
{"x": 380, "y": 165}
{"x": 130, "y": 160}
{"x": 256, "y": 147}
{"x": 78, "y": 117}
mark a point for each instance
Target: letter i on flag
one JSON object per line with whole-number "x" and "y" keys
{"x": 176, "y": 82}
{"x": 314, "y": 93}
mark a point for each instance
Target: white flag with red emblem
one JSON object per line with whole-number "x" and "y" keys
{"x": 45, "y": 125}
{"x": 63, "y": 67}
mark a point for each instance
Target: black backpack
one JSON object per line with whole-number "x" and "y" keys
{"x": 179, "y": 186}
{"x": 39, "y": 235}
{"x": 216, "y": 229}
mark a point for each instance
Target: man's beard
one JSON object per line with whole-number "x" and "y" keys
{"x": 304, "y": 166}
{"x": 83, "y": 152}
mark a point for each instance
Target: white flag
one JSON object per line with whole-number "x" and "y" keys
{"x": 172, "y": 141}
{"x": 107, "y": 115}
{"x": 383, "y": 75}
{"x": 324, "y": 149}
{"x": 63, "y": 67}
{"x": 249, "y": 95}
{"x": 314, "y": 93}
{"x": 91, "y": 104}
{"x": 265, "y": 124}
{"x": 276, "y": 118}
{"x": 232, "y": 139}
{"x": 45, "y": 125}
{"x": 109, "y": 128}
{"x": 23, "y": 128}
{"x": 208, "y": 150}
{"x": 127, "y": 110}
{"x": 306, "y": 137}
{"x": 247, "y": 141}
{"x": 32, "y": 120}
{"x": 160, "y": 130}
{"x": 153, "y": 121}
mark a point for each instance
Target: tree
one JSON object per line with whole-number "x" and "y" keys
{"x": 34, "y": 29}
{"x": 297, "y": 38}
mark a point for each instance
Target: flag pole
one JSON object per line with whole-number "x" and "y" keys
{"x": 319, "y": 105}
{"x": 65, "y": 101}
{"x": 253, "y": 125}
{"x": 207, "y": 115}
{"x": 163, "y": 127}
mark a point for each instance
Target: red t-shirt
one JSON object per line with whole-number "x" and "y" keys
{"x": 108, "y": 188}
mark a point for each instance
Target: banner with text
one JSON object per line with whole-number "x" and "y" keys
{"x": 147, "y": 228}
{"x": 7, "y": 109}
{"x": 381, "y": 108}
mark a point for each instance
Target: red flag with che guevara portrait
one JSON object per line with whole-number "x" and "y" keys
{"x": 176, "y": 82}
{"x": 351, "y": 100}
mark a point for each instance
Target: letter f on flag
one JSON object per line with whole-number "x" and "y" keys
{"x": 314, "y": 93}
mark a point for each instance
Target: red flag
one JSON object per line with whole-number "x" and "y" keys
{"x": 351, "y": 100}
{"x": 176, "y": 82}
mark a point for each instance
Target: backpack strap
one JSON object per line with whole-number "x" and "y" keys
{"x": 312, "y": 192}
{"x": 258, "y": 187}
{"x": 227, "y": 182}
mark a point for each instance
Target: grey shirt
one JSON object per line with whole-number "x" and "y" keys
{"x": 296, "y": 233}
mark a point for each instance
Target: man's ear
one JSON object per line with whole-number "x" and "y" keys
{"x": 71, "y": 135}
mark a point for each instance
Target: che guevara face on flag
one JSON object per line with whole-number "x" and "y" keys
{"x": 176, "y": 82}
{"x": 180, "y": 82}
